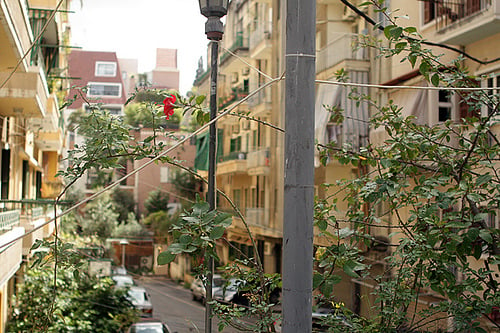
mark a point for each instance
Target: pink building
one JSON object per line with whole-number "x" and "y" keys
{"x": 165, "y": 75}
{"x": 100, "y": 73}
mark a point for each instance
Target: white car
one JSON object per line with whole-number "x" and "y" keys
{"x": 122, "y": 281}
{"x": 140, "y": 299}
{"x": 198, "y": 291}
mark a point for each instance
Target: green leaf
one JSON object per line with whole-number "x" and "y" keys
{"x": 223, "y": 219}
{"x": 350, "y": 267}
{"x": 317, "y": 279}
{"x": 165, "y": 258}
{"x": 387, "y": 31}
{"x": 435, "y": 80}
{"x": 424, "y": 68}
{"x": 486, "y": 236}
{"x": 396, "y": 32}
{"x": 410, "y": 30}
{"x": 185, "y": 239}
{"x": 322, "y": 224}
{"x": 200, "y": 99}
{"x": 201, "y": 208}
{"x": 217, "y": 232}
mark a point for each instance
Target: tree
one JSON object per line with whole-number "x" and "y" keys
{"x": 124, "y": 203}
{"x": 157, "y": 200}
{"x": 187, "y": 185}
{"x": 79, "y": 302}
{"x": 99, "y": 218}
{"x": 129, "y": 228}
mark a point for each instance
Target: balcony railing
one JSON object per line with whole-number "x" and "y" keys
{"x": 261, "y": 33}
{"x": 257, "y": 216}
{"x": 235, "y": 155}
{"x": 259, "y": 158}
{"x": 235, "y": 95}
{"x": 345, "y": 46}
{"x": 9, "y": 219}
{"x": 240, "y": 43}
{"x": 262, "y": 97}
{"x": 448, "y": 12}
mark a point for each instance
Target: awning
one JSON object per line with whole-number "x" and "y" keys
{"x": 202, "y": 148}
{"x": 329, "y": 95}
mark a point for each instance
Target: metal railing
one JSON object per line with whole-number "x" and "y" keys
{"x": 240, "y": 43}
{"x": 258, "y": 158}
{"x": 448, "y": 12}
{"x": 9, "y": 219}
{"x": 235, "y": 155}
{"x": 257, "y": 216}
{"x": 345, "y": 46}
{"x": 262, "y": 97}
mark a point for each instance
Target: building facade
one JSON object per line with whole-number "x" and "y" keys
{"x": 33, "y": 39}
{"x": 250, "y": 165}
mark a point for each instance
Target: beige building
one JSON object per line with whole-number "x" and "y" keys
{"x": 250, "y": 165}
{"x": 32, "y": 86}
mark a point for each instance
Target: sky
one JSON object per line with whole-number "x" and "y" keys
{"x": 135, "y": 29}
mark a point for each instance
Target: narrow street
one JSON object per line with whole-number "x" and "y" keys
{"x": 174, "y": 305}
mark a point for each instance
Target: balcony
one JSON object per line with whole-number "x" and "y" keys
{"x": 48, "y": 133}
{"x": 14, "y": 34}
{"x": 9, "y": 220}
{"x": 261, "y": 103}
{"x": 229, "y": 63}
{"x": 260, "y": 41}
{"x": 464, "y": 22}
{"x": 257, "y": 217}
{"x": 342, "y": 47}
{"x": 258, "y": 162}
{"x": 233, "y": 163}
{"x": 236, "y": 95}
{"x": 24, "y": 94}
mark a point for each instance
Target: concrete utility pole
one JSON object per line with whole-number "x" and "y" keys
{"x": 299, "y": 165}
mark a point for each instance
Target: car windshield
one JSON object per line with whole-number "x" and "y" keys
{"x": 138, "y": 295}
{"x": 123, "y": 280}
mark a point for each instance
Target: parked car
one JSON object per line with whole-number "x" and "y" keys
{"x": 324, "y": 320}
{"x": 122, "y": 281}
{"x": 149, "y": 326}
{"x": 198, "y": 291}
{"x": 141, "y": 300}
{"x": 231, "y": 292}
{"x": 119, "y": 270}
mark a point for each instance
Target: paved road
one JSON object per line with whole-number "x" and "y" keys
{"x": 173, "y": 304}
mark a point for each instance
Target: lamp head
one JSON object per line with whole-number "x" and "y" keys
{"x": 213, "y": 8}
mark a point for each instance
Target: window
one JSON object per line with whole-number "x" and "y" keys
{"x": 493, "y": 82}
{"x": 104, "y": 68}
{"x": 235, "y": 144}
{"x": 104, "y": 89}
{"x": 444, "y": 105}
{"x": 430, "y": 8}
{"x": 164, "y": 174}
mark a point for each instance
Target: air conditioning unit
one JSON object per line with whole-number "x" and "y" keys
{"x": 147, "y": 262}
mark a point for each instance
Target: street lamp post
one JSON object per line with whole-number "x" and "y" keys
{"x": 123, "y": 243}
{"x": 213, "y": 10}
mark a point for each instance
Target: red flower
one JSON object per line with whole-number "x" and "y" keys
{"x": 168, "y": 106}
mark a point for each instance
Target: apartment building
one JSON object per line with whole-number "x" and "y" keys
{"x": 32, "y": 85}
{"x": 96, "y": 79}
{"x": 250, "y": 165}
